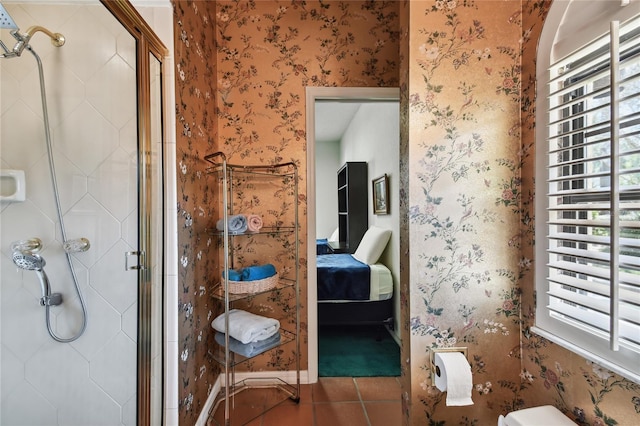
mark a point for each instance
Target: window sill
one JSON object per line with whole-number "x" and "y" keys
{"x": 604, "y": 363}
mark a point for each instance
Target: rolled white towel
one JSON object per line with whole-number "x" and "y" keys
{"x": 247, "y": 327}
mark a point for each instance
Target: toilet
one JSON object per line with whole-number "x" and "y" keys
{"x": 546, "y": 415}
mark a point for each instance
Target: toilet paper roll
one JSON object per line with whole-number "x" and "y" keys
{"x": 455, "y": 377}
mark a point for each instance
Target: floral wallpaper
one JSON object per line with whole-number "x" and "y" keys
{"x": 471, "y": 146}
{"x": 467, "y": 75}
{"x": 268, "y": 52}
{"x": 194, "y": 32}
{"x": 464, "y": 200}
{"x": 242, "y": 68}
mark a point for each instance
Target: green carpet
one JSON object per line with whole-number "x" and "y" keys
{"x": 357, "y": 351}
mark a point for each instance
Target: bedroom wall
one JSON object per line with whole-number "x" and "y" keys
{"x": 373, "y": 136}
{"x": 327, "y": 165}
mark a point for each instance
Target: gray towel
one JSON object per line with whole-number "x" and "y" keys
{"x": 249, "y": 349}
{"x": 237, "y": 224}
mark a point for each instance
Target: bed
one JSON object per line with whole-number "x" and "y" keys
{"x": 323, "y": 247}
{"x": 356, "y": 288}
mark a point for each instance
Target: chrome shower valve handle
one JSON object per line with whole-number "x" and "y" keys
{"x": 76, "y": 245}
{"x": 30, "y": 246}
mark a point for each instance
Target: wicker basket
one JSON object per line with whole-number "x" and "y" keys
{"x": 256, "y": 286}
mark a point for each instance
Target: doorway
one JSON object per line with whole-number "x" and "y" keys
{"x": 343, "y": 95}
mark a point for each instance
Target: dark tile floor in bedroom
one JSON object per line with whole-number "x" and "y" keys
{"x": 340, "y": 401}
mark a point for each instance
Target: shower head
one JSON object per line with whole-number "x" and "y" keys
{"x": 35, "y": 262}
{"x": 6, "y": 21}
{"x": 28, "y": 261}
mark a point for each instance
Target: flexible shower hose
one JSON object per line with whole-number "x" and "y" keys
{"x": 47, "y": 133}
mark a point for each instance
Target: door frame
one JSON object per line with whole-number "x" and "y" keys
{"x": 148, "y": 45}
{"x": 312, "y": 95}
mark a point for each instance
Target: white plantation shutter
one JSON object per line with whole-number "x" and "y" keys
{"x": 591, "y": 297}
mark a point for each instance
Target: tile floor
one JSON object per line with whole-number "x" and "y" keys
{"x": 340, "y": 401}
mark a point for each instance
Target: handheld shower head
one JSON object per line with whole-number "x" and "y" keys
{"x": 35, "y": 262}
{"x": 28, "y": 261}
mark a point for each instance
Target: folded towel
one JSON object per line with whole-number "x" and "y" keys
{"x": 254, "y": 222}
{"x": 237, "y": 224}
{"x": 249, "y": 349}
{"x": 253, "y": 273}
{"x": 247, "y": 327}
{"x": 234, "y": 275}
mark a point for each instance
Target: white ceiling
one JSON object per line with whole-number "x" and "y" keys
{"x": 333, "y": 118}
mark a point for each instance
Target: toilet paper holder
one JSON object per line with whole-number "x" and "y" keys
{"x": 435, "y": 370}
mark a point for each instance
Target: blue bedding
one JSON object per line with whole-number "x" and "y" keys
{"x": 322, "y": 246}
{"x": 342, "y": 277}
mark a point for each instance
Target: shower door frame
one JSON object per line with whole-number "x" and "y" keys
{"x": 147, "y": 45}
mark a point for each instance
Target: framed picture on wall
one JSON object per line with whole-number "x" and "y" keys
{"x": 381, "y": 195}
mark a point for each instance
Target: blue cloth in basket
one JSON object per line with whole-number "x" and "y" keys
{"x": 234, "y": 275}
{"x": 259, "y": 272}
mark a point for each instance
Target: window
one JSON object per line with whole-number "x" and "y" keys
{"x": 588, "y": 231}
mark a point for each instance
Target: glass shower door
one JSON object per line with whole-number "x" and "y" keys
{"x": 156, "y": 334}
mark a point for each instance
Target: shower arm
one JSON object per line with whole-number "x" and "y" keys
{"x": 57, "y": 40}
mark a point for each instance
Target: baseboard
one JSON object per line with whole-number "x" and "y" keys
{"x": 287, "y": 376}
{"x": 204, "y": 414}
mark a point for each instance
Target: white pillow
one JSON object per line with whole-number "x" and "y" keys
{"x": 372, "y": 245}
{"x": 335, "y": 236}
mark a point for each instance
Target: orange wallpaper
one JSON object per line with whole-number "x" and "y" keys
{"x": 471, "y": 163}
{"x": 194, "y": 32}
{"x": 242, "y": 68}
{"x": 464, "y": 200}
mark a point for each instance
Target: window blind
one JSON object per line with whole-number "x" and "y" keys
{"x": 593, "y": 183}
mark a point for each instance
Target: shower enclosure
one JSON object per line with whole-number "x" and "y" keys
{"x": 106, "y": 134}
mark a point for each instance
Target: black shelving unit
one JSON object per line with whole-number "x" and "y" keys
{"x": 353, "y": 190}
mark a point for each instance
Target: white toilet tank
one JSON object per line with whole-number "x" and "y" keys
{"x": 546, "y": 415}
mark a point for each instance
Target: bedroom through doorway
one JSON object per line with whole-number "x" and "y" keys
{"x": 350, "y": 338}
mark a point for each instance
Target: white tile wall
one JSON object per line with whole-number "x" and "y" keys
{"x": 91, "y": 99}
